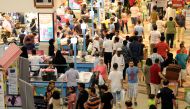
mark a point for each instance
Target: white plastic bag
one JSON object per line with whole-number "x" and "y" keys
{"x": 100, "y": 80}
{"x": 89, "y": 49}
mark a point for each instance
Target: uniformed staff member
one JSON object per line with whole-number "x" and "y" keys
{"x": 167, "y": 97}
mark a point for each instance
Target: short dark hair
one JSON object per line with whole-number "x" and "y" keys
{"x": 162, "y": 38}
{"x": 161, "y": 17}
{"x": 124, "y": 42}
{"x": 115, "y": 66}
{"x": 113, "y": 14}
{"x": 171, "y": 18}
{"x": 165, "y": 82}
{"x": 152, "y": 107}
{"x": 136, "y": 33}
{"x": 51, "y": 41}
{"x": 127, "y": 38}
{"x": 139, "y": 22}
{"x": 93, "y": 90}
{"x": 104, "y": 87}
{"x": 56, "y": 95}
{"x": 154, "y": 26}
{"x": 117, "y": 39}
{"x": 157, "y": 60}
{"x": 155, "y": 7}
{"x": 128, "y": 103}
{"x": 149, "y": 61}
{"x": 82, "y": 85}
{"x": 155, "y": 50}
{"x": 71, "y": 65}
{"x": 170, "y": 55}
{"x": 33, "y": 52}
{"x": 151, "y": 96}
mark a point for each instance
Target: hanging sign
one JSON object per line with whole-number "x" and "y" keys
{"x": 178, "y": 3}
{"x": 12, "y": 81}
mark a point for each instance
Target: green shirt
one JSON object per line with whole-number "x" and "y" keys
{"x": 170, "y": 25}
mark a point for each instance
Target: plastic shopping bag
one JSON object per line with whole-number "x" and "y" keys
{"x": 101, "y": 80}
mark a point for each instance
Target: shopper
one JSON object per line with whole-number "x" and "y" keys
{"x": 22, "y": 36}
{"x": 72, "y": 75}
{"x": 170, "y": 31}
{"x": 182, "y": 61}
{"x": 162, "y": 47}
{"x": 180, "y": 20}
{"x": 116, "y": 78}
{"x": 117, "y": 44}
{"x": 135, "y": 49}
{"x": 127, "y": 57}
{"x": 161, "y": 25}
{"x": 169, "y": 60}
{"x": 154, "y": 15}
{"x": 35, "y": 60}
{"x": 155, "y": 56}
{"x": 182, "y": 47}
{"x": 72, "y": 98}
{"x": 139, "y": 28}
{"x": 102, "y": 68}
{"x": 167, "y": 97}
{"x": 33, "y": 27}
{"x": 56, "y": 101}
{"x": 24, "y": 53}
{"x": 124, "y": 21}
{"x": 28, "y": 44}
{"x": 108, "y": 49}
{"x": 51, "y": 49}
{"x": 48, "y": 94}
{"x": 119, "y": 59}
{"x": 146, "y": 71}
{"x": 155, "y": 77}
{"x": 132, "y": 76}
{"x": 106, "y": 98}
{"x": 134, "y": 14}
{"x": 82, "y": 96}
{"x": 93, "y": 101}
{"x": 60, "y": 62}
{"x": 154, "y": 38}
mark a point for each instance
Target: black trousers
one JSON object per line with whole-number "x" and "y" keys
{"x": 123, "y": 26}
{"x": 124, "y": 70}
{"x": 170, "y": 40}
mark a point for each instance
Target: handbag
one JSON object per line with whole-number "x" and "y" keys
{"x": 172, "y": 72}
{"x": 101, "y": 80}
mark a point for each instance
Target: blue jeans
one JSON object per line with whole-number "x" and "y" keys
{"x": 116, "y": 96}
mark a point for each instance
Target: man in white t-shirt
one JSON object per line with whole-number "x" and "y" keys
{"x": 154, "y": 38}
{"x": 119, "y": 59}
{"x": 108, "y": 49}
{"x": 116, "y": 78}
{"x": 160, "y": 25}
{"x": 134, "y": 13}
{"x": 116, "y": 45}
{"x": 35, "y": 60}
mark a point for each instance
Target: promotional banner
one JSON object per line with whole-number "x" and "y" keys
{"x": 2, "y": 92}
{"x": 75, "y": 4}
{"x": 46, "y": 26}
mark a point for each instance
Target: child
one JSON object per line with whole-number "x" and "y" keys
{"x": 151, "y": 100}
{"x": 128, "y": 104}
{"x": 55, "y": 101}
{"x": 71, "y": 98}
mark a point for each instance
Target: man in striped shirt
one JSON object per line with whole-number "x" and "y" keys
{"x": 94, "y": 101}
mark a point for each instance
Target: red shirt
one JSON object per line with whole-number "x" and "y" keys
{"x": 185, "y": 51}
{"x": 162, "y": 48}
{"x": 154, "y": 74}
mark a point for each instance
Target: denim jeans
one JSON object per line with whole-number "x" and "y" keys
{"x": 116, "y": 96}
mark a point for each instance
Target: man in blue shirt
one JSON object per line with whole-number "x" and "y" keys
{"x": 132, "y": 75}
{"x": 139, "y": 28}
{"x": 182, "y": 61}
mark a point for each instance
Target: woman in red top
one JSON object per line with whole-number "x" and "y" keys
{"x": 182, "y": 47}
{"x": 102, "y": 68}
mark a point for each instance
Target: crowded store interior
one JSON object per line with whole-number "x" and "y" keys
{"x": 95, "y": 54}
